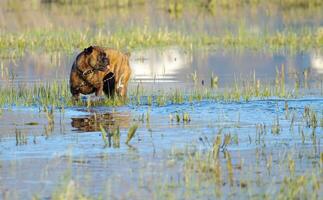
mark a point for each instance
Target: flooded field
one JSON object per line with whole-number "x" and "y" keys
{"x": 225, "y": 101}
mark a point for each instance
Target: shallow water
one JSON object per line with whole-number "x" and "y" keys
{"x": 75, "y": 145}
{"x": 39, "y": 158}
{"x": 77, "y": 124}
{"x": 169, "y": 65}
{"x": 271, "y": 141}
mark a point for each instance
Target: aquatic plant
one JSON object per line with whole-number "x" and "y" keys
{"x": 214, "y": 81}
{"x": 310, "y": 117}
{"x": 21, "y": 138}
{"x": 131, "y": 132}
{"x": 276, "y": 128}
{"x": 186, "y": 117}
{"x": 104, "y": 136}
{"x": 116, "y": 137}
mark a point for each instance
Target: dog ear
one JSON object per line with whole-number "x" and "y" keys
{"x": 88, "y": 50}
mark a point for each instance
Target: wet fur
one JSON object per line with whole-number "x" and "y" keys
{"x": 113, "y": 81}
{"x": 91, "y": 83}
{"x": 121, "y": 72}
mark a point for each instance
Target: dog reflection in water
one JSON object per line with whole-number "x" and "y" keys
{"x": 111, "y": 122}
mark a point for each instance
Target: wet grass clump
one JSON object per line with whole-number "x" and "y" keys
{"x": 131, "y": 133}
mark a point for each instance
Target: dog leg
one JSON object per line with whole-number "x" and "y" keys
{"x": 123, "y": 85}
{"x": 99, "y": 90}
{"x": 75, "y": 97}
{"x": 109, "y": 85}
{"x": 120, "y": 86}
{"x": 123, "y": 92}
{"x": 122, "y": 89}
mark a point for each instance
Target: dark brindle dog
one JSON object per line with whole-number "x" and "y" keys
{"x": 97, "y": 69}
{"x": 88, "y": 71}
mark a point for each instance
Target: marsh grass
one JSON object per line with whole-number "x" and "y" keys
{"x": 104, "y": 136}
{"x": 21, "y": 138}
{"x": 131, "y": 133}
{"x": 185, "y": 117}
{"x": 57, "y": 94}
{"x": 214, "y": 81}
{"x": 179, "y": 5}
{"x": 231, "y": 4}
{"x": 110, "y": 138}
{"x": 261, "y": 131}
{"x": 67, "y": 189}
{"x": 310, "y": 117}
{"x": 220, "y": 171}
{"x": 116, "y": 137}
{"x": 276, "y": 127}
{"x": 50, "y": 120}
{"x": 64, "y": 40}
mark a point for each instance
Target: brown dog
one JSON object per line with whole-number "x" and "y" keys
{"x": 97, "y": 69}
{"x": 116, "y": 81}
{"x": 88, "y": 71}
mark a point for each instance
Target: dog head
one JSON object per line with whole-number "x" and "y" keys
{"x": 96, "y": 58}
